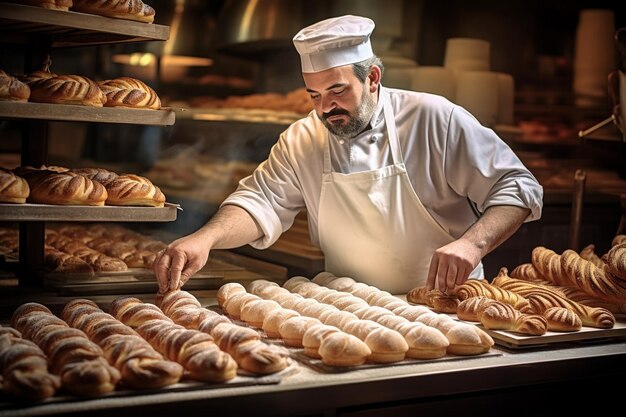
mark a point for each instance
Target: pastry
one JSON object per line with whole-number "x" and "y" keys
{"x": 12, "y": 89}
{"x": 13, "y": 189}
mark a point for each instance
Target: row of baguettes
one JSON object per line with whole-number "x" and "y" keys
{"x": 120, "y": 9}
{"x": 82, "y": 186}
{"x": 47, "y": 87}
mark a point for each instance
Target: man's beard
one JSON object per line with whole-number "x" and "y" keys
{"x": 356, "y": 123}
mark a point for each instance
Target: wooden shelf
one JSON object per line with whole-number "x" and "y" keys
{"x": 74, "y": 113}
{"x": 47, "y": 212}
{"x": 22, "y": 24}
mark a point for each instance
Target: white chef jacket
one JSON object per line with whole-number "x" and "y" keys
{"x": 458, "y": 167}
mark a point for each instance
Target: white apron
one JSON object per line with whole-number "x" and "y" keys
{"x": 373, "y": 226}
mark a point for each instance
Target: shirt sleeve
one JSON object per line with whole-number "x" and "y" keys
{"x": 271, "y": 194}
{"x": 483, "y": 167}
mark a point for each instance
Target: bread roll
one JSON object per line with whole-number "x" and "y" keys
{"x": 226, "y": 290}
{"x": 58, "y": 261}
{"x": 12, "y": 89}
{"x": 120, "y": 9}
{"x": 341, "y": 349}
{"x": 131, "y": 93}
{"x": 13, "y": 189}
{"x": 561, "y": 319}
{"x": 67, "y": 89}
{"x": 470, "y": 308}
{"x": 134, "y": 190}
{"x": 292, "y": 330}
{"x": 477, "y": 287}
{"x": 501, "y": 316}
{"x": 66, "y": 188}
{"x": 274, "y": 319}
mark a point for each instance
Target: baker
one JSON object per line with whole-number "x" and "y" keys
{"x": 401, "y": 188}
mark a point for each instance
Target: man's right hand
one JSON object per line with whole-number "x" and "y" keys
{"x": 182, "y": 258}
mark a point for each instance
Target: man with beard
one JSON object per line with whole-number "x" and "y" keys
{"x": 401, "y": 188}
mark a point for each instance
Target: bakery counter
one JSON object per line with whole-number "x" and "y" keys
{"x": 499, "y": 383}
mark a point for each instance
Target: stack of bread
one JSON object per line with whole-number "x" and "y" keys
{"x": 121, "y": 9}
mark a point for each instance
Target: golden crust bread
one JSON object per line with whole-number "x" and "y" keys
{"x": 66, "y": 188}
{"x": 134, "y": 190}
{"x": 129, "y": 92}
{"x": 101, "y": 175}
{"x": 67, "y": 89}
{"x": 13, "y": 89}
{"x": 13, "y": 189}
{"x": 120, "y": 9}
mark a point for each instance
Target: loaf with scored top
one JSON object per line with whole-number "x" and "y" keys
{"x": 134, "y": 190}
{"x": 66, "y": 188}
{"x": 120, "y": 9}
{"x": 67, "y": 89}
{"x": 12, "y": 89}
{"x": 13, "y": 189}
{"x": 131, "y": 93}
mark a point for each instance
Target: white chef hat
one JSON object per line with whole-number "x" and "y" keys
{"x": 334, "y": 42}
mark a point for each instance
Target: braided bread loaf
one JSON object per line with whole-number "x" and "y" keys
{"x": 65, "y": 188}
{"x": 78, "y": 361}
{"x": 589, "y": 253}
{"x": 593, "y": 280}
{"x": 24, "y": 368}
{"x": 476, "y": 287}
{"x": 542, "y": 297}
{"x": 139, "y": 364}
{"x": 129, "y": 92}
{"x": 548, "y": 263}
{"x": 101, "y": 175}
{"x": 501, "y": 316}
{"x": 13, "y": 89}
{"x": 196, "y": 351}
{"x": 528, "y": 272}
{"x": 13, "y": 189}
{"x": 134, "y": 190}
{"x": 243, "y": 344}
{"x": 67, "y": 89}
{"x": 120, "y": 9}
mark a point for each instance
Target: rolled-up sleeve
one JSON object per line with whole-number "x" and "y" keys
{"x": 483, "y": 167}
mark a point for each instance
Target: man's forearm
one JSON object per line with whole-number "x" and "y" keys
{"x": 231, "y": 227}
{"x": 496, "y": 225}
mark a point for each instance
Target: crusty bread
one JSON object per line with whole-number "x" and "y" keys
{"x": 67, "y": 89}
{"x": 131, "y": 93}
{"x": 101, "y": 175}
{"x": 13, "y": 189}
{"x": 134, "y": 190}
{"x": 66, "y": 188}
{"x": 63, "y": 5}
{"x": 476, "y": 287}
{"x": 13, "y": 89}
{"x": 501, "y": 316}
{"x": 120, "y": 9}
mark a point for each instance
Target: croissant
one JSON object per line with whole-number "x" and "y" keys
{"x": 78, "y": 361}
{"x": 196, "y": 351}
{"x": 139, "y": 364}
{"x": 129, "y": 92}
{"x": 67, "y": 89}
{"x": 13, "y": 189}
{"x": 12, "y": 89}
{"x": 24, "y": 368}
{"x": 66, "y": 188}
{"x": 476, "y": 287}
{"x": 120, "y": 9}
{"x": 134, "y": 190}
{"x": 593, "y": 280}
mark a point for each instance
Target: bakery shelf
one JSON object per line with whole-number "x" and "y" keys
{"x": 21, "y": 24}
{"x": 75, "y": 113}
{"x": 238, "y": 115}
{"x": 48, "y": 212}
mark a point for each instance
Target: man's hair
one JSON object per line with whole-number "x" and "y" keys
{"x": 362, "y": 69}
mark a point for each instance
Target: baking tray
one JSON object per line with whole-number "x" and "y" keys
{"x": 50, "y": 212}
{"x": 586, "y": 334}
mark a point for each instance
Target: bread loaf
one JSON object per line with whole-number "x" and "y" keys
{"x": 561, "y": 319}
{"x": 58, "y": 261}
{"x": 470, "y": 307}
{"x": 131, "y": 93}
{"x": 593, "y": 280}
{"x": 101, "y": 175}
{"x": 63, "y": 5}
{"x": 12, "y": 89}
{"x": 66, "y": 188}
{"x": 79, "y": 362}
{"x": 501, "y": 316}
{"x": 435, "y": 299}
{"x": 616, "y": 261}
{"x": 477, "y": 287}
{"x": 226, "y": 290}
{"x": 528, "y": 272}
{"x": 139, "y": 364}
{"x": 580, "y": 296}
{"x": 134, "y": 190}
{"x": 588, "y": 253}
{"x": 548, "y": 263}
{"x": 120, "y": 9}
{"x": 13, "y": 189}
{"x": 196, "y": 351}
{"x": 67, "y": 89}
{"x": 97, "y": 260}
{"x": 24, "y": 368}
{"x": 341, "y": 349}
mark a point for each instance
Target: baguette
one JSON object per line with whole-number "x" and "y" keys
{"x": 594, "y": 281}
